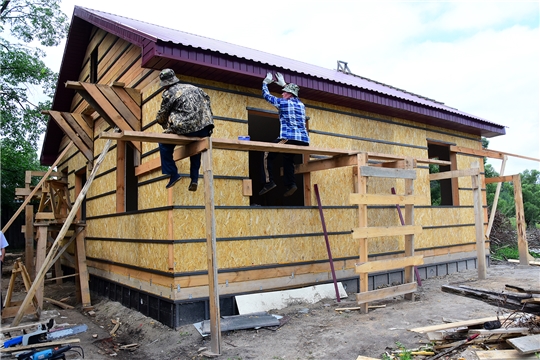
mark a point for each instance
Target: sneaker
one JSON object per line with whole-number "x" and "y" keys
{"x": 173, "y": 180}
{"x": 267, "y": 187}
{"x": 192, "y": 186}
{"x": 290, "y": 190}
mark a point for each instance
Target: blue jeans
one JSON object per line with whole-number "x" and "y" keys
{"x": 168, "y": 166}
{"x": 288, "y": 163}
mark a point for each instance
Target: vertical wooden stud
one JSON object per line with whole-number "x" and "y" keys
{"x": 479, "y": 223}
{"x": 362, "y": 160}
{"x": 409, "y": 220}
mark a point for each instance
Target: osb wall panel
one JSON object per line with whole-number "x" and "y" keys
{"x": 103, "y": 205}
{"x": 146, "y": 226}
{"x": 232, "y": 254}
{"x": 226, "y": 192}
{"x": 149, "y": 256}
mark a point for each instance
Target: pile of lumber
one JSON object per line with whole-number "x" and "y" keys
{"x": 514, "y": 335}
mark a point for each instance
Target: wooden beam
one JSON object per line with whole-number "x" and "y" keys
{"x": 521, "y": 225}
{"x": 409, "y": 272}
{"x": 377, "y": 199}
{"x": 479, "y": 222}
{"x": 363, "y": 250}
{"x": 29, "y": 240}
{"x": 506, "y": 178}
{"x": 387, "y": 172}
{"x": 389, "y": 264}
{"x": 453, "y": 174}
{"x": 371, "y": 232}
{"x": 120, "y": 107}
{"x": 365, "y": 297}
{"x": 325, "y": 164}
{"x": 128, "y": 100}
{"x": 478, "y": 152}
{"x": 38, "y": 186}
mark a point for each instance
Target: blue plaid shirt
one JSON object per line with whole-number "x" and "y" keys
{"x": 292, "y": 116}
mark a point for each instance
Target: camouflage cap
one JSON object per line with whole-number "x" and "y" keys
{"x": 292, "y": 88}
{"x": 167, "y": 77}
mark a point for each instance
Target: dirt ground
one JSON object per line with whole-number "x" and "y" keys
{"x": 313, "y": 331}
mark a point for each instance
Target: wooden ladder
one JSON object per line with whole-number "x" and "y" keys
{"x": 403, "y": 170}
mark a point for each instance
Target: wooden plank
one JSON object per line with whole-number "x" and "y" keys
{"x": 100, "y": 103}
{"x": 78, "y": 124}
{"x": 387, "y": 172}
{"x": 41, "y": 252}
{"x": 520, "y": 330}
{"x": 456, "y": 324}
{"x": 211, "y": 251}
{"x": 495, "y": 200}
{"x": 45, "y": 216}
{"x": 127, "y": 99}
{"x": 120, "y": 107}
{"x": 365, "y": 297}
{"x": 196, "y": 146}
{"x": 54, "y": 247}
{"x": 526, "y": 344}
{"x": 40, "y": 345}
{"x": 229, "y": 144}
{"x": 453, "y": 174}
{"x": 505, "y": 178}
{"x": 389, "y": 264}
{"x": 325, "y": 164}
{"x": 71, "y": 134}
{"x": 478, "y": 152}
{"x": 370, "y": 232}
{"x": 503, "y": 355}
{"x": 86, "y": 123}
{"x": 378, "y": 199}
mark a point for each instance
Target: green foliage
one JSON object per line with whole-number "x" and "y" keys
{"x": 435, "y": 186}
{"x": 23, "y": 74}
{"x": 509, "y": 252}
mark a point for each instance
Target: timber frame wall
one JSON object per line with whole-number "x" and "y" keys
{"x": 153, "y": 255}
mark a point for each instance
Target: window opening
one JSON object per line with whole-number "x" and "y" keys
{"x": 265, "y": 127}
{"x": 442, "y": 191}
{"x": 94, "y": 66}
{"x": 131, "y": 183}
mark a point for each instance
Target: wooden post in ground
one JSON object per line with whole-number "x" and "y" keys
{"x": 211, "y": 251}
{"x": 362, "y": 160}
{"x": 523, "y": 246}
{"x": 29, "y": 240}
{"x": 409, "y": 221}
{"x": 479, "y": 222}
{"x": 82, "y": 270}
{"x": 54, "y": 248}
{"x": 41, "y": 253}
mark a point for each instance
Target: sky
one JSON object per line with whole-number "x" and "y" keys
{"x": 480, "y": 57}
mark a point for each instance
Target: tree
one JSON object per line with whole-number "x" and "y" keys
{"x": 25, "y": 27}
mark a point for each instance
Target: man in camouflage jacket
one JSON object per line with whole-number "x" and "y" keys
{"x": 185, "y": 110}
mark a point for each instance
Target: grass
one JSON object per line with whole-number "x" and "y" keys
{"x": 509, "y": 252}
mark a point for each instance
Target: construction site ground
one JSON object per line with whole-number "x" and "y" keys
{"x": 312, "y": 331}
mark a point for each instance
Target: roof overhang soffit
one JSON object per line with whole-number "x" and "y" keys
{"x": 120, "y": 107}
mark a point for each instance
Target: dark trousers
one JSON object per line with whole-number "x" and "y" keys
{"x": 288, "y": 163}
{"x": 168, "y": 166}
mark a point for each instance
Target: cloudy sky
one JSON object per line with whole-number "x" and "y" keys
{"x": 481, "y": 57}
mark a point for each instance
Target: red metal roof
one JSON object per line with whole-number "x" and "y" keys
{"x": 222, "y": 61}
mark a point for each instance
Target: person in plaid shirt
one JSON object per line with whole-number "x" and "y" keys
{"x": 292, "y": 118}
